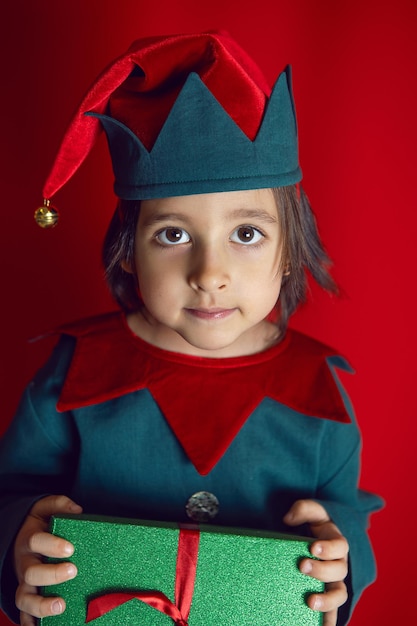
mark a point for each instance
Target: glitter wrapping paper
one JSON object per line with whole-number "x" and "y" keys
{"x": 243, "y": 578}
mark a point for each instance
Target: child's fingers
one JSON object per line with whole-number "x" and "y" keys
{"x": 326, "y": 571}
{"x": 334, "y": 546}
{"x": 38, "y": 574}
{"x": 334, "y": 596}
{"x": 29, "y": 550}
{"x": 50, "y": 505}
{"x": 331, "y": 544}
{"x": 31, "y": 604}
{"x": 306, "y": 512}
{"x": 33, "y": 537}
{"x": 49, "y": 545}
{"x": 332, "y": 550}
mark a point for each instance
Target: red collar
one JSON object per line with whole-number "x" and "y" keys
{"x": 220, "y": 394}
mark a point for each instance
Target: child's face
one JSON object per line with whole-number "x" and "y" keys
{"x": 209, "y": 271}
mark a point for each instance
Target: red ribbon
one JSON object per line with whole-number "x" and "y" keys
{"x": 179, "y": 611}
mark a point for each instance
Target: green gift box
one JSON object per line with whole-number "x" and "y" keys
{"x": 142, "y": 573}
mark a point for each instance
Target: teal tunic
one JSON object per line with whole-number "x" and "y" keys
{"x": 113, "y": 449}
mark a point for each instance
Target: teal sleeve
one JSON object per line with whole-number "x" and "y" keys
{"x": 347, "y": 505}
{"x": 36, "y": 459}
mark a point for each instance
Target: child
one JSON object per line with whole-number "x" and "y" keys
{"x": 196, "y": 390}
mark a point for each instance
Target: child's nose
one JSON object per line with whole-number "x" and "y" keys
{"x": 209, "y": 271}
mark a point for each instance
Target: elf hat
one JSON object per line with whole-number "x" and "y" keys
{"x": 184, "y": 114}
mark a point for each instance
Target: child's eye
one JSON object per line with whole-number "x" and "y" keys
{"x": 246, "y": 234}
{"x": 172, "y": 236}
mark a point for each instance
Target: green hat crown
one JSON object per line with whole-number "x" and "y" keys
{"x": 201, "y": 149}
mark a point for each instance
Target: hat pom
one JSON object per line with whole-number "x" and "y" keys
{"x": 46, "y": 216}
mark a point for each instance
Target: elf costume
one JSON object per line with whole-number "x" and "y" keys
{"x": 127, "y": 429}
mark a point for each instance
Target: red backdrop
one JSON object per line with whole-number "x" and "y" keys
{"x": 354, "y": 81}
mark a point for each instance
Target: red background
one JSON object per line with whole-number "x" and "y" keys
{"x": 354, "y": 69}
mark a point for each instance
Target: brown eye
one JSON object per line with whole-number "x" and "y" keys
{"x": 172, "y": 236}
{"x": 246, "y": 234}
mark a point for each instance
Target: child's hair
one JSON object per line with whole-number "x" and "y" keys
{"x": 302, "y": 252}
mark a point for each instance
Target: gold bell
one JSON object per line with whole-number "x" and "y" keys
{"x": 46, "y": 216}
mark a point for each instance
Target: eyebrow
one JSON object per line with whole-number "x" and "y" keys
{"x": 164, "y": 217}
{"x": 259, "y": 214}
{"x": 242, "y": 213}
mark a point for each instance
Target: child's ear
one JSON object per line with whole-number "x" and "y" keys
{"x": 127, "y": 267}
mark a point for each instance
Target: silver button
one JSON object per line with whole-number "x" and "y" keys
{"x": 202, "y": 506}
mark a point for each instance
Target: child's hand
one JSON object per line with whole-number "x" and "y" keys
{"x": 32, "y": 543}
{"x": 332, "y": 548}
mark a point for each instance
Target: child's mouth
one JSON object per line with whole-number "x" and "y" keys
{"x": 211, "y": 314}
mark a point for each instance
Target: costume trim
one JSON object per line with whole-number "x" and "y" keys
{"x": 197, "y": 394}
